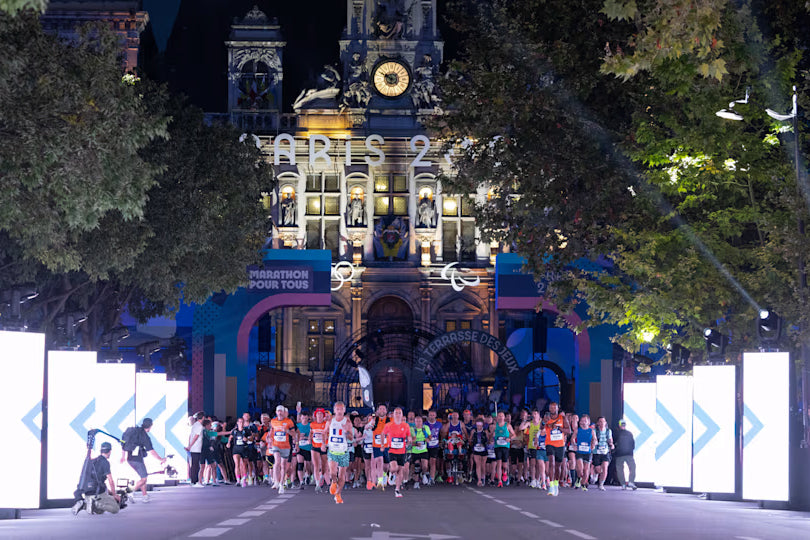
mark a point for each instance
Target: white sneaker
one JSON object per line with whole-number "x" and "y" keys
{"x": 533, "y": 484}
{"x": 197, "y": 485}
{"x": 425, "y": 479}
{"x": 281, "y": 490}
{"x": 145, "y": 498}
{"x": 601, "y": 488}
{"x": 632, "y": 486}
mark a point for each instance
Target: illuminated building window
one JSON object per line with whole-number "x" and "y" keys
{"x": 321, "y": 344}
{"x": 458, "y": 229}
{"x": 451, "y": 326}
{"x": 393, "y": 195}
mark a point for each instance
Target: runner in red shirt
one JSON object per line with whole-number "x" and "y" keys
{"x": 396, "y": 437}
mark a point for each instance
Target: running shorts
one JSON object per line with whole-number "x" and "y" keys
{"x": 320, "y": 450}
{"x": 417, "y": 457}
{"x": 434, "y": 452}
{"x": 481, "y": 453}
{"x": 501, "y": 454}
{"x": 283, "y": 452}
{"x": 516, "y": 455}
{"x": 342, "y": 460}
{"x": 557, "y": 452}
{"x": 378, "y": 453}
{"x": 399, "y": 459}
{"x": 306, "y": 454}
{"x": 586, "y": 457}
{"x": 367, "y": 456}
{"x": 541, "y": 454}
{"x": 598, "y": 459}
{"x": 239, "y": 450}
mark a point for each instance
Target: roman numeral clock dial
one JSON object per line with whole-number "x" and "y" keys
{"x": 391, "y": 79}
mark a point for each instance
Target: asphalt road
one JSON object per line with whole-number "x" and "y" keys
{"x": 438, "y": 513}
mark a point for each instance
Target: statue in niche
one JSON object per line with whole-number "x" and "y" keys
{"x": 389, "y": 19}
{"x": 288, "y": 209}
{"x": 356, "y": 212}
{"x": 426, "y": 212}
{"x": 424, "y": 93}
{"x": 357, "y": 92}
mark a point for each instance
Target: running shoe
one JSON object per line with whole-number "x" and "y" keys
{"x": 281, "y": 490}
{"x": 197, "y": 485}
{"x": 500, "y": 483}
{"x": 392, "y": 479}
{"x": 439, "y": 479}
{"x": 369, "y": 485}
{"x": 416, "y": 486}
{"x": 450, "y": 479}
{"x": 632, "y": 486}
{"x": 145, "y": 498}
{"x": 338, "y": 499}
{"x": 577, "y": 484}
{"x": 601, "y": 487}
{"x": 318, "y": 489}
{"x": 584, "y": 488}
{"x": 397, "y": 494}
{"x": 425, "y": 479}
{"x": 533, "y": 484}
{"x": 333, "y": 488}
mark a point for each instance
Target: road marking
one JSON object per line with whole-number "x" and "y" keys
{"x": 580, "y": 534}
{"x": 512, "y": 507}
{"x": 529, "y": 514}
{"x": 499, "y": 501}
{"x": 550, "y": 523}
{"x": 747, "y": 537}
{"x": 290, "y": 496}
{"x": 276, "y": 501}
{"x": 487, "y": 496}
{"x": 251, "y": 513}
{"x": 210, "y": 532}
{"x": 232, "y": 522}
{"x": 265, "y": 507}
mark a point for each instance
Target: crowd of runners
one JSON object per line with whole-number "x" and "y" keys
{"x": 333, "y": 450}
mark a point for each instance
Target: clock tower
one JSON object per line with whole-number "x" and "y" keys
{"x": 390, "y": 51}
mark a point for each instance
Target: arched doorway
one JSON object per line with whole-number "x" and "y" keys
{"x": 388, "y": 311}
{"x": 390, "y": 386}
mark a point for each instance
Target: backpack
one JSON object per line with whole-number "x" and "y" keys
{"x": 130, "y": 439}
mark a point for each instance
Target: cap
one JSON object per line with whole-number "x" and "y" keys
{"x": 281, "y": 408}
{"x": 622, "y": 423}
{"x": 320, "y": 410}
{"x": 467, "y": 411}
{"x": 106, "y": 447}
{"x": 354, "y": 413}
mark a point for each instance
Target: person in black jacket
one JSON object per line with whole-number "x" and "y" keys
{"x": 625, "y": 444}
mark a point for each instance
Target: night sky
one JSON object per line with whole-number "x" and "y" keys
{"x": 194, "y": 61}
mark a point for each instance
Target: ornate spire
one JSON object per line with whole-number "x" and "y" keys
{"x": 255, "y": 16}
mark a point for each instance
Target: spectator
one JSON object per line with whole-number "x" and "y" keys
{"x": 625, "y": 445}
{"x": 195, "y": 442}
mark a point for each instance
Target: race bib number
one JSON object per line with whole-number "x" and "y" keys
{"x": 480, "y": 448}
{"x": 491, "y": 453}
{"x": 584, "y": 447}
{"x": 420, "y": 445}
{"x": 602, "y": 449}
{"x": 240, "y": 441}
{"x": 378, "y": 439}
{"x": 303, "y": 442}
{"x": 501, "y": 441}
{"x": 541, "y": 445}
{"x": 367, "y": 448}
{"x": 556, "y": 435}
{"x": 317, "y": 437}
{"x": 279, "y": 436}
{"x": 336, "y": 440}
{"x": 434, "y": 441}
{"x": 397, "y": 442}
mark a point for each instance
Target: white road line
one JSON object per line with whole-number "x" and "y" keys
{"x": 210, "y": 532}
{"x": 550, "y": 523}
{"x": 747, "y": 537}
{"x": 232, "y": 522}
{"x": 512, "y": 507}
{"x": 487, "y": 496}
{"x": 276, "y": 501}
{"x": 529, "y": 514}
{"x": 287, "y": 496}
{"x": 251, "y": 513}
{"x": 265, "y": 507}
{"x": 580, "y": 534}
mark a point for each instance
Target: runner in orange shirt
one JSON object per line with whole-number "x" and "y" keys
{"x": 280, "y": 428}
{"x": 379, "y": 455}
{"x": 396, "y": 436}
{"x": 557, "y": 428}
{"x": 319, "y": 460}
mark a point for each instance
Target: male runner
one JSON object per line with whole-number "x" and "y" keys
{"x": 435, "y": 427}
{"x": 585, "y": 440}
{"x": 556, "y": 429}
{"x": 378, "y": 460}
{"x": 320, "y": 466}
{"x": 601, "y": 454}
{"x": 420, "y": 434}
{"x": 280, "y": 429}
{"x": 341, "y": 435}
{"x": 304, "y": 444}
{"x": 502, "y": 434}
{"x": 532, "y": 428}
{"x": 396, "y": 435}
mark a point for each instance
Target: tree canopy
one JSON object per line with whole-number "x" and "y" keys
{"x": 691, "y": 217}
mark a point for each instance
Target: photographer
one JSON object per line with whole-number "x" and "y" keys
{"x": 136, "y": 445}
{"x": 101, "y": 498}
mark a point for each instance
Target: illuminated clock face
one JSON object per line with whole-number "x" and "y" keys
{"x": 391, "y": 79}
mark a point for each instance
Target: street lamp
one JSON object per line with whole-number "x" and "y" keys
{"x": 729, "y": 113}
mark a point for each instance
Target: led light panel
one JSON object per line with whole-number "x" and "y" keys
{"x": 71, "y": 406}
{"x": 22, "y": 368}
{"x": 765, "y": 426}
{"x": 177, "y": 428}
{"x": 639, "y": 412}
{"x": 713, "y": 429}
{"x": 673, "y": 431}
{"x": 150, "y": 402}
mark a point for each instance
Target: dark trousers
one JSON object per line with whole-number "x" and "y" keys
{"x": 194, "y": 472}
